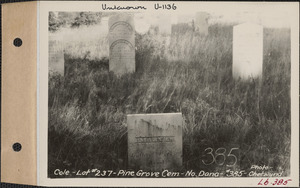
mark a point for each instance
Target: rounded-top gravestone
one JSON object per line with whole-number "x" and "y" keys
{"x": 121, "y": 44}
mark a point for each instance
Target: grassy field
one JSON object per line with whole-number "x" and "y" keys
{"x": 186, "y": 73}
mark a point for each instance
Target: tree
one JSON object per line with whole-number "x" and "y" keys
{"x": 55, "y": 22}
{"x": 86, "y": 18}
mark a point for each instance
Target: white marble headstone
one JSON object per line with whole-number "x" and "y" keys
{"x": 247, "y": 51}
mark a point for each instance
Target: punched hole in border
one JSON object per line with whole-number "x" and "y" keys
{"x": 18, "y": 42}
{"x": 17, "y": 147}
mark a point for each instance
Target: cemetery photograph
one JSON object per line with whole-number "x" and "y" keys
{"x": 200, "y": 94}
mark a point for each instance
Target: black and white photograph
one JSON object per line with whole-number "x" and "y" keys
{"x": 170, "y": 94}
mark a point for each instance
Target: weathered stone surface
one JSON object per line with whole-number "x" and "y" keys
{"x": 121, "y": 44}
{"x": 155, "y": 141}
{"x": 247, "y": 51}
{"x": 56, "y": 56}
{"x": 201, "y": 23}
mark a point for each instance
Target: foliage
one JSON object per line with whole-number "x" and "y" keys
{"x": 86, "y": 18}
{"x": 58, "y": 20}
{"x": 54, "y": 22}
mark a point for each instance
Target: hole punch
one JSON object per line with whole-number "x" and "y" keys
{"x": 17, "y": 147}
{"x": 18, "y": 42}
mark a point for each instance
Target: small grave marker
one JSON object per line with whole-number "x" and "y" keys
{"x": 155, "y": 141}
{"x": 56, "y": 56}
{"x": 247, "y": 51}
{"x": 201, "y": 23}
{"x": 121, "y": 44}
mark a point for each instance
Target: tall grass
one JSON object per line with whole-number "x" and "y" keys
{"x": 185, "y": 73}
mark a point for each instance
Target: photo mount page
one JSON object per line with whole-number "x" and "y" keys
{"x": 171, "y": 94}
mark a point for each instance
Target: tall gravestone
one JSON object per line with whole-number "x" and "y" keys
{"x": 155, "y": 141}
{"x": 121, "y": 44}
{"x": 247, "y": 51}
{"x": 201, "y": 23}
{"x": 56, "y": 55}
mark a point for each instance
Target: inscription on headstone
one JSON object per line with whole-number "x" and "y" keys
{"x": 155, "y": 141}
{"x": 56, "y": 56}
{"x": 121, "y": 44}
{"x": 201, "y": 23}
{"x": 247, "y": 51}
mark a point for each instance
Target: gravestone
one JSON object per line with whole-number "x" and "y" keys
{"x": 155, "y": 141}
{"x": 164, "y": 24}
{"x": 56, "y": 56}
{"x": 121, "y": 44}
{"x": 201, "y": 23}
{"x": 247, "y": 51}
